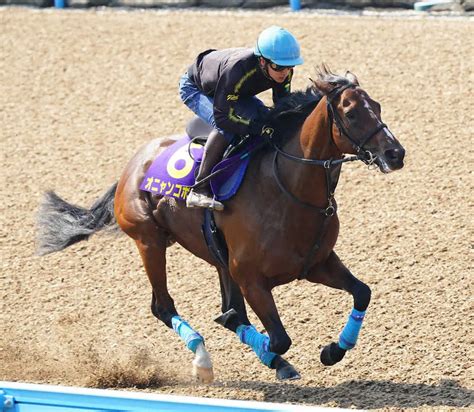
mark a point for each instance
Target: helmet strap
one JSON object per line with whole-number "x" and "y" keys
{"x": 263, "y": 63}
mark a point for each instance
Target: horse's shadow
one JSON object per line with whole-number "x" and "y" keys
{"x": 365, "y": 394}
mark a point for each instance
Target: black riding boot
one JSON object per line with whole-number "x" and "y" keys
{"x": 201, "y": 196}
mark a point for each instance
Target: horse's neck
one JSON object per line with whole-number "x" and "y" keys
{"x": 308, "y": 182}
{"x": 315, "y": 137}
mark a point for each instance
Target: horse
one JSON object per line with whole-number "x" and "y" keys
{"x": 282, "y": 224}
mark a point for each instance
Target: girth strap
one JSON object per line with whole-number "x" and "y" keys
{"x": 214, "y": 239}
{"x": 314, "y": 249}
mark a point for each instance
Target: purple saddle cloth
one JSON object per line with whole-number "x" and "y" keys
{"x": 174, "y": 170}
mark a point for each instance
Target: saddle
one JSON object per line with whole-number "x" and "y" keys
{"x": 173, "y": 171}
{"x": 198, "y": 130}
{"x": 197, "y": 127}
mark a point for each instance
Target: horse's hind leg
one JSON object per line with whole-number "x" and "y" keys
{"x": 152, "y": 242}
{"x": 334, "y": 274}
{"x": 153, "y": 252}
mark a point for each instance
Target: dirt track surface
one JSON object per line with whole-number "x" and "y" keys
{"x": 80, "y": 91}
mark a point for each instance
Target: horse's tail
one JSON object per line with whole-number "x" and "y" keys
{"x": 61, "y": 224}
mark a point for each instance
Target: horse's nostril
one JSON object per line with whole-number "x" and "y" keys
{"x": 395, "y": 154}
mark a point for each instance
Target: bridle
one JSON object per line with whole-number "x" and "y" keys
{"x": 363, "y": 154}
{"x": 332, "y": 167}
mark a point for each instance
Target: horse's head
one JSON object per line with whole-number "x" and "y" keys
{"x": 358, "y": 124}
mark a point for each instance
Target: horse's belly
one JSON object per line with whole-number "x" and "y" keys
{"x": 281, "y": 258}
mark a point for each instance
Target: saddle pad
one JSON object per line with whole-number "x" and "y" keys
{"x": 224, "y": 185}
{"x": 173, "y": 172}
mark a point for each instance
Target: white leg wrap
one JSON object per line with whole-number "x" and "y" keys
{"x": 202, "y": 365}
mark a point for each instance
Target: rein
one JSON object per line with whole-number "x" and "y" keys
{"x": 229, "y": 152}
{"x": 332, "y": 168}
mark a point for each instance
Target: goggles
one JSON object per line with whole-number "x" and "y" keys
{"x": 277, "y": 67}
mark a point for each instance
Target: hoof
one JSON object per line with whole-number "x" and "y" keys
{"x": 287, "y": 373}
{"x": 331, "y": 354}
{"x": 284, "y": 370}
{"x": 202, "y": 365}
{"x": 203, "y": 375}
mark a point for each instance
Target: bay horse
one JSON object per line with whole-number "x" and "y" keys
{"x": 282, "y": 224}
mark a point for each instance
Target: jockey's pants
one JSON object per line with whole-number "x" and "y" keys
{"x": 203, "y": 105}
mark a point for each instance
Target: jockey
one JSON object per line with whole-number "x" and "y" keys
{"x": 220, "y": 87}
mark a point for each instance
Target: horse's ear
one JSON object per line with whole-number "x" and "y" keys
{"x": 352, "y": 78}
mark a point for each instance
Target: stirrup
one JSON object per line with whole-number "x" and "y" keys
{"x": 200, "y": 200}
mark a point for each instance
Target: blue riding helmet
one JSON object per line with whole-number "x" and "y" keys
{"x": 279, "y": 46}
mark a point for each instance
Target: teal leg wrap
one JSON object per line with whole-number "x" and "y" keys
{"x": 259, "y": 342}
{"x": 186, "y": 333}
{"x": 350, "y": 333}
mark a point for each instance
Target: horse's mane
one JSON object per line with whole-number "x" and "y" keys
{"x": 301, "y": 102}
{"x": 291, "y": 111}
{"x": 325, "y": 74}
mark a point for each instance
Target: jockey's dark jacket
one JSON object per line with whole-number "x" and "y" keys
{"x": 229, "y": 74}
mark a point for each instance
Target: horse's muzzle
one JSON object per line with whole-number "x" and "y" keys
{"x": 391, "y": 160}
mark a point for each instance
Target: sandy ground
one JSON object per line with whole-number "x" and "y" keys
{"x": 81, "y": 90}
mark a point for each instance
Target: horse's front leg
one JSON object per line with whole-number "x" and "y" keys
{"x": 260, "y": 298}
{"x": 234, "y": 318}
{"x": 334, "y": 274}
{"x": 257, "y": 293}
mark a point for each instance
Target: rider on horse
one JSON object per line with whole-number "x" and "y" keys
{"x": 220, "y": 87}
